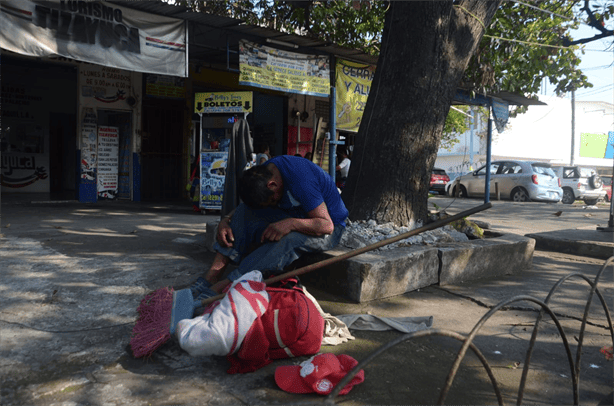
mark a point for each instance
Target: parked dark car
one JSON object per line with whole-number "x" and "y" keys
{"x": 439, "y": 179}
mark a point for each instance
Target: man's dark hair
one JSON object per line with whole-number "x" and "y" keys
{"x": 253, "y": 188}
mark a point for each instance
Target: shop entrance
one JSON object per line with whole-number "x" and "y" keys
{"x": 162, "y": 150}
{"x": 62, "y": 156}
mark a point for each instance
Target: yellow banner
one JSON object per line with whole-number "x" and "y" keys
{"x": 353, "y": 85}
{"x": 270, "y": 68}
{"x": 225, "y": 102}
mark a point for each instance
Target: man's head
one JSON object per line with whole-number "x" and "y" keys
{"x": 263, "y": 148}
{"x": 260, "y": 186}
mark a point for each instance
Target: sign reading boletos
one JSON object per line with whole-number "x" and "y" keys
{"x": 97, "y": 32}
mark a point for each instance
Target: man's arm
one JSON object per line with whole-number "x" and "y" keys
{"x": 224, "y": 232}
{"x": 318, "y": 222}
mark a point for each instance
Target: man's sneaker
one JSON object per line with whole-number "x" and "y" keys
{"x": 199, "y": 286}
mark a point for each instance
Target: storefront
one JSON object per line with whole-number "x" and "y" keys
{"x": 165, "y": 138}
{"x": 72, "y": 87}
{"x": 113, "y": 118}
{"x": 38, "y": 135}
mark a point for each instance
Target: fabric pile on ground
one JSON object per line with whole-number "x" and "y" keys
{"x": 255, "y": 324}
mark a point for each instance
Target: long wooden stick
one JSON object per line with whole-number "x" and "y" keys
{"x": 358, "y": 251}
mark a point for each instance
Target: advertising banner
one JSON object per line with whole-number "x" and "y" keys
{"x": 500, "y": 112}
{"x": 89, "y": 145}
{"x": 609, "y": 149}
{"x": 225, "y": 102}
{"x": 108, "y": 158}
{"x": 97, "y": 32}
{"x": 270, "y": 68}
{"x": 212, "y": 178}
{"x": 593, "y": 145}
{"x": 353, "y": 85}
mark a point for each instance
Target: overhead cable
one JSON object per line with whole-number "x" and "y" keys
{"x": 545, "y": 11}
{"x": 509, "y": 39}
{"x": 528, "y": 42}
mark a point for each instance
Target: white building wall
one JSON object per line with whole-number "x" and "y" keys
{"x": 464, "y": 155}
{"x": 543, "y": 133}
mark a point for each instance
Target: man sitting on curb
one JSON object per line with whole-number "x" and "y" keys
{"x": 290, "y": 206}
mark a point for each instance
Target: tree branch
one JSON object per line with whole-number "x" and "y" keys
{"x": 567, "y": 42}
{"x": 593, "y": 22}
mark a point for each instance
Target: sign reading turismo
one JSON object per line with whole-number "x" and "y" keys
{"x": 97, "y": 32}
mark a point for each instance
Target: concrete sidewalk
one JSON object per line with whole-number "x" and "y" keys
{"x": 74, "y": 274}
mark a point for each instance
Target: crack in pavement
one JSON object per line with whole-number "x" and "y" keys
{"x": 518, "y": 308}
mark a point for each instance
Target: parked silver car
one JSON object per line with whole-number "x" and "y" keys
{"x": 582, "y": 183}
{"x": 519, "y": 181}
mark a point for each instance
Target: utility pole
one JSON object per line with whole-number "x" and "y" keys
{"x": 573, "y": 126}
{"x": 471, "y": 135}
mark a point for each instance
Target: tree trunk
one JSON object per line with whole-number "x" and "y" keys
{"x": 426, "y": 46}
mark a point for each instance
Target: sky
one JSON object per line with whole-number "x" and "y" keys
{"x": 597, "y": 64}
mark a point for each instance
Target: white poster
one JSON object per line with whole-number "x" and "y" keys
{"x": 95, "y": 31}
{"x": 111, "y": 86}
{"x": 89, "y": 145}
{"x": 108, "y": 161}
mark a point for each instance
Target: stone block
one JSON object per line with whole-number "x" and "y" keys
{"x": 588, "y": 243}
{"x": 374, "y": 275}
{"x": 502, "y": 255}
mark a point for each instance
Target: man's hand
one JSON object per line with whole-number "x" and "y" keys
{"x": 224, "y": 233}
{"x": 275, "y": 231}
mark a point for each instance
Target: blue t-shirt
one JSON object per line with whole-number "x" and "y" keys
{"x": 306, "y": 186}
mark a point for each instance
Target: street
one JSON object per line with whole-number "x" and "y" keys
{"x": 529, "y": 217}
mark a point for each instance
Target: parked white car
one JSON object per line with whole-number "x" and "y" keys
{"x": 580, "y": 183}
{"x": 519, "y": 181}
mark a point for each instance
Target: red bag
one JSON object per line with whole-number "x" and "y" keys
{"x": 291, "y": 327}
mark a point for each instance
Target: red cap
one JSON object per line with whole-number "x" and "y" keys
{"x": 319, "y": 374}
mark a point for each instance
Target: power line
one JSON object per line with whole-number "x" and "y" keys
{"x": 593, "y": 92}
{"x": 598, "y": 67}
{"x": 509, "y": 39}
{"x": 546, "y": 11}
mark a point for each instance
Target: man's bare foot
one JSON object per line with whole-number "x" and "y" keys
{"x": 220, "y": 262}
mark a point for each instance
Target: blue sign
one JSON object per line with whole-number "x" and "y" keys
{"x": 500, "y": 111}
{"x": 609, "y": 148}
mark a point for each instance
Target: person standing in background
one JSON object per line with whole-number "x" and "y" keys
{"x": 263, "y": 154}
{"x": 343, "y": 167}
